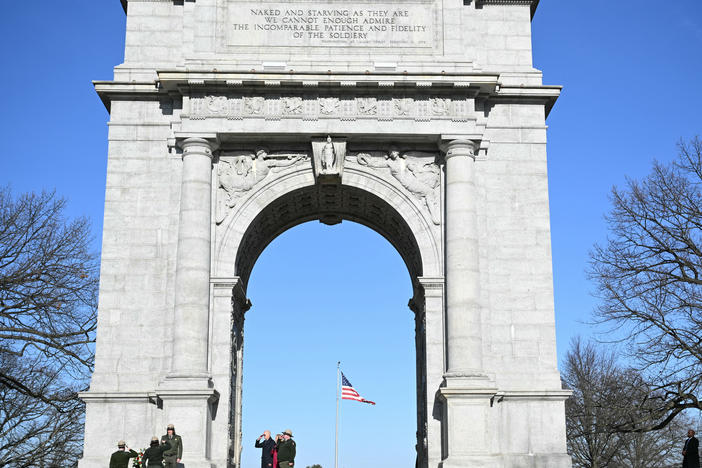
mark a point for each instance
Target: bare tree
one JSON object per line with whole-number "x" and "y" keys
{"x": 649, "y": 280}
{"x": 605, "y": 396}
{"x": 48, "y": 295}
{"x": 593, "y": 377}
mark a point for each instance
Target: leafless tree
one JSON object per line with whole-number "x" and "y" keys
{"x": 649, "y": 280}
{"x": 606, "y": 395}
{"x": 48, "y": 295}
{"x": 593, "y": 377}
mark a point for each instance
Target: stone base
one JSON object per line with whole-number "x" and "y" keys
{"x": 93, "y": 462}
{"x": 509, "y": 461}
{"x": 475, "y": 461}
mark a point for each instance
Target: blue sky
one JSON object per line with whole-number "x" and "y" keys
{"x": 631, "y": 69}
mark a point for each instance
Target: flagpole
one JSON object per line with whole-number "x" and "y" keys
{"x": 336, "y": 439}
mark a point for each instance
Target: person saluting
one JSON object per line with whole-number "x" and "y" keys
{"x": 267, "y": 447}
{"x": 120, "y": 459}
{"x": 286, "y": 450}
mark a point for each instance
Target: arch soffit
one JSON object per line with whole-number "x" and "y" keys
{"x": 232, "y": 232}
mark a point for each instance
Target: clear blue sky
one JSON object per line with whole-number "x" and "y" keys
{"x": 631, "y": 69}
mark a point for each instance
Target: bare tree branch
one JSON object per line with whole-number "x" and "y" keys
{"x": 649, "y": 282}
{"x": 48, "y": 303}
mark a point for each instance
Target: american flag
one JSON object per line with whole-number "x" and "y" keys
{"x": 350, "y": 393}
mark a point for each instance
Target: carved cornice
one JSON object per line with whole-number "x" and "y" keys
{"x": 533, "y": 3}
{"x": 124, "y": 2}
{"x": 447, "y": 85}
{"x": 176, "y": 80}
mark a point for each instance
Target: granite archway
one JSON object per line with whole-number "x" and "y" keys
{"x": 426, "y": 122}
{"x": 369, "y": 197}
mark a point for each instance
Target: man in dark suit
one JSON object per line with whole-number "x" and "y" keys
{"x": 266, "y": 449}
{"x": 691, "y": 456}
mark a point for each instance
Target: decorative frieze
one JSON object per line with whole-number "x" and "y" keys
{"x": 318, "y": 107}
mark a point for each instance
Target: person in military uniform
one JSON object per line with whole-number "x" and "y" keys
{"x": 172, "y": 456}
{"x": 286, "y": 450}
{"x": 153, "y": 456}
{"x": 120, "y": 459}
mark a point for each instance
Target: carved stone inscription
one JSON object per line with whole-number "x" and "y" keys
{"x": 338, "y": 24}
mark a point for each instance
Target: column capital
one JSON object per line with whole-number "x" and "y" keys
{"x": 197, "y": 145}
{"x": 460, "y": 147}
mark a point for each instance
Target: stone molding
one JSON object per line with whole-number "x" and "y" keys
{"x": 453, "y": 86}
{"x": 90, "y": 396}
{"x": 322, "y": 106}
{"x": 558, "y": 395}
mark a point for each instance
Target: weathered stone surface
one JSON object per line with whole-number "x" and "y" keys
{"x": 424, "y": 120}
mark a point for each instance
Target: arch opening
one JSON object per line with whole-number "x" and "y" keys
{"x": 307, "y": 314}
{"x": 332, "y": 204}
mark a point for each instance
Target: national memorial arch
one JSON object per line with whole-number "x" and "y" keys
{"x": 234, "y": 120}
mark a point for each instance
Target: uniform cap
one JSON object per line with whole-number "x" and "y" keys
{"x": 170, "y": 426}
{"x": 121, "y": 443}
{"x": 154, "y": 439}
{"x": 288, "y": 432}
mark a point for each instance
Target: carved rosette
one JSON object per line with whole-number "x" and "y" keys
{"x": 320, "y": 107}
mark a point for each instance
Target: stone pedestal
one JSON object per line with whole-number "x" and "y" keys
{"x": 467, "y": 423}
{"x": 191, "y": 409}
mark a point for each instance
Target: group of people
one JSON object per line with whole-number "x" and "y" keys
{"x": 279, "y": 452}
{"x": 164, "y": 453}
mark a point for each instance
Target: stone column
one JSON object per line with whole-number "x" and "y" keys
{"x": 467, "y": 418}
{"x": 465, "y": 355}
{"x": 189, "y": 398}
{"x": 192, "y": 282}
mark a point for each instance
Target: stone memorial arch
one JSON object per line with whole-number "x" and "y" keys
{"x": 234, "y": 120}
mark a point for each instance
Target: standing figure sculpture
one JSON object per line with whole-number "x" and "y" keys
{"x": 328, "y": 157}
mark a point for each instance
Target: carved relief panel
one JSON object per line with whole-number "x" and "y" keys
{"x": 238, "y": 173}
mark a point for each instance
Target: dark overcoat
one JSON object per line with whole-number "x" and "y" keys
{"x": 267, "y": 452}
{"x": 691, "y": 459}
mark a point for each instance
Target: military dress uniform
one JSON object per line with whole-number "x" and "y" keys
{"x": 174, "y": 453}
{"x": 120, "y": 459}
